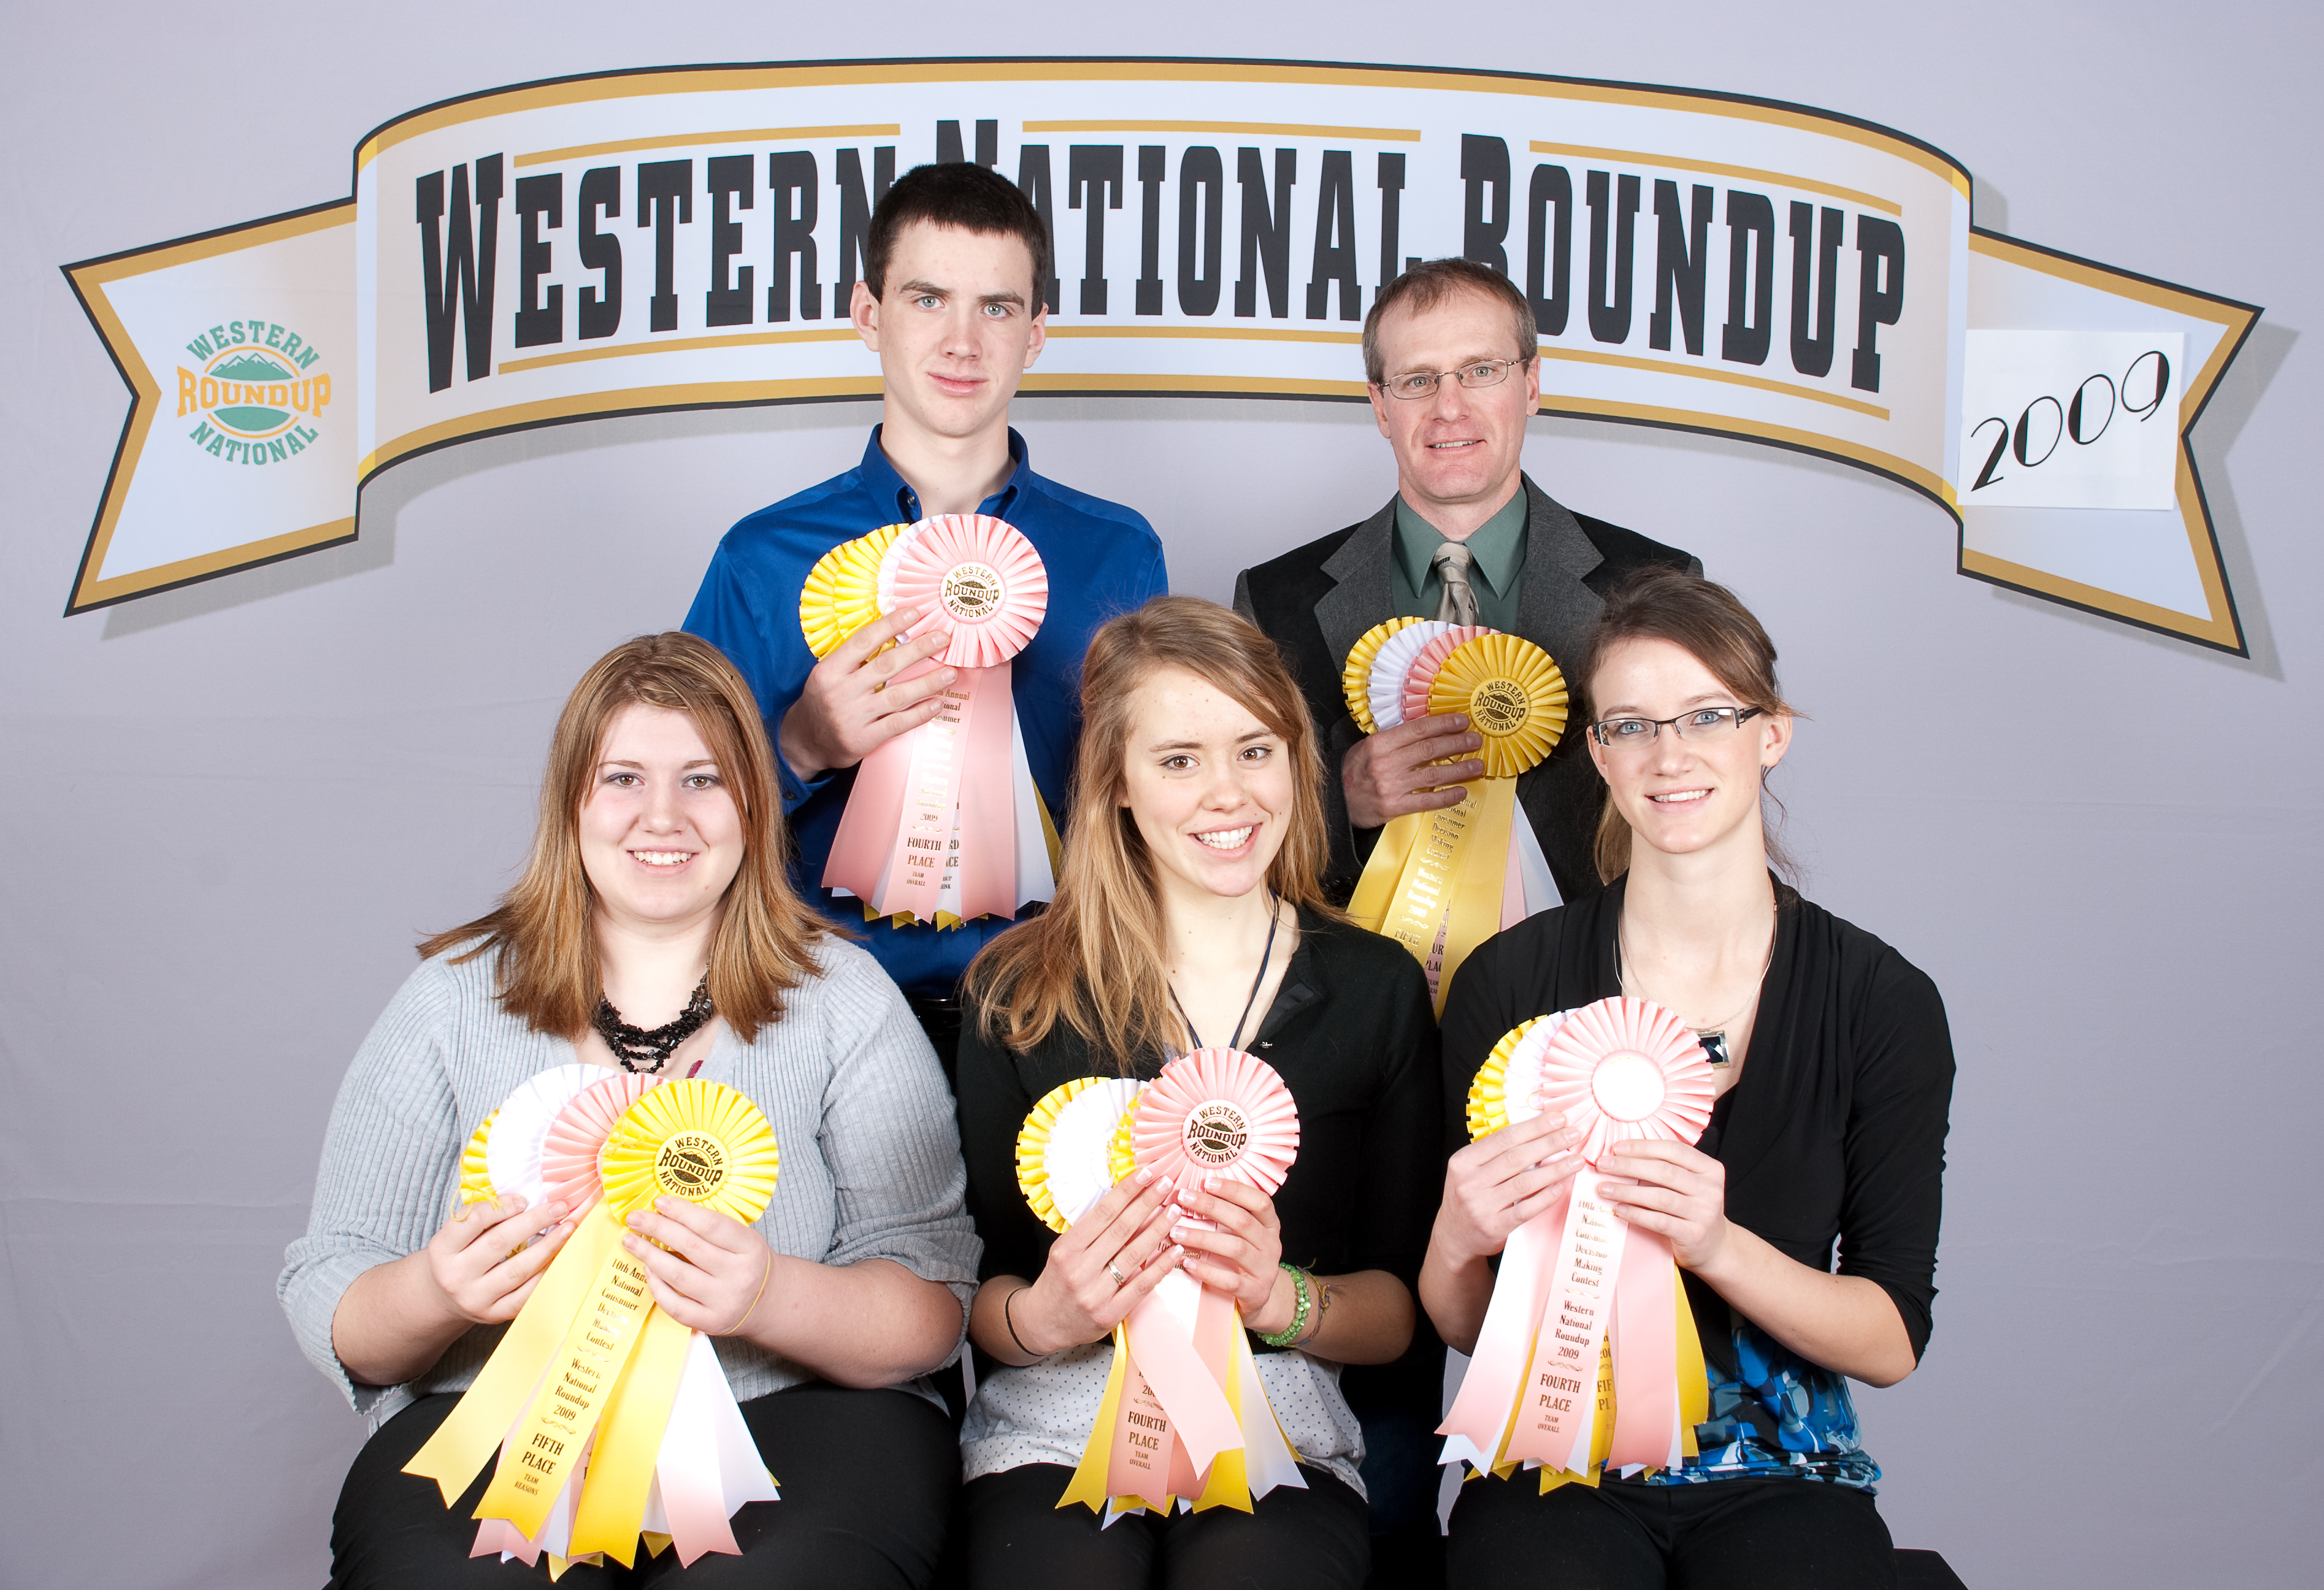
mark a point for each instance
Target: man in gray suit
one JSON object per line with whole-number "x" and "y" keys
{"x": 1449, "y": 352}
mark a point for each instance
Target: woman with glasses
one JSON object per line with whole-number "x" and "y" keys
{"x": 1833, "y": 1071}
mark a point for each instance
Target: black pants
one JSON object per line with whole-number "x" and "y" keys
{"x": 1019, "y": 1539}
{"x": 1771, "y": 1534}
{"x": 867, "y": 1480}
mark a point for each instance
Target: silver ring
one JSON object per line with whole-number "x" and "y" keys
{"x": 1120, "y": 1280}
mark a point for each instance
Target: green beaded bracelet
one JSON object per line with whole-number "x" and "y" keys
{"x": 1290, "y": 1333}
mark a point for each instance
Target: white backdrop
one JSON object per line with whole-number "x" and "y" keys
{"x": 231, "y": 809}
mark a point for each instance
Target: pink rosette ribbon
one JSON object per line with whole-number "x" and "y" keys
{"x": 568, "y": 1154}
{"x": 1577, "y": 1275}
{"x": 1422, "y": 673}
{"x": 931, "y": 826}
{"x": 975, "y": 576}
{"x": 1193, "y": 1421}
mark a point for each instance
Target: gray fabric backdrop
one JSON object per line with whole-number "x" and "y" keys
{"x": 230, "y": 809}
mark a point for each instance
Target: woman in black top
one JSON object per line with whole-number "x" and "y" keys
{"x": 1188, "y": 914}
{"x": 1834, "y": 1075}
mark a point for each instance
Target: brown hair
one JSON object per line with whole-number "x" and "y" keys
{"x": 1430, "y": 284}
{"x": 968, "y": 197}
{"x": 1095, "y": 960}
{"x": 1710, "y": 623}
{"x": 549, "y": 971}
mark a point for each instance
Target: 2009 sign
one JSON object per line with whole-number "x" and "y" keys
{"x": 2071, "y": 419}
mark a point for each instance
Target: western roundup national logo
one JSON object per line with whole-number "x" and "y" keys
{"x": 686, "y": 237}
{"x": 255, "y": 393}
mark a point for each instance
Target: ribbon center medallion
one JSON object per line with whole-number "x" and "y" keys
{"x": 1627, "y": 1086}
{"x": 1215, "y": 1134}
{"x": 973, "y": 591}
{"x": 691, "y": 1165}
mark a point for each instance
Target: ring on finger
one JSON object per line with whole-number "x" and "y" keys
{"x": 1120, "y": 1280}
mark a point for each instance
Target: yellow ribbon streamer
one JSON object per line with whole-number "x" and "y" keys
{"x": 552, "y": 1437}
{"x": 612, "y": 1506}
{"x": 590, "y": 1353}
{"x": 465, "y": 1442}
{"x": 1088, "y": 1487}
{"x": 1434, "y": 880}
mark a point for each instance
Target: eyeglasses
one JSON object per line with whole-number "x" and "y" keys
{"x": 1420, "y": 383}
{"x": 1704, "y": 723}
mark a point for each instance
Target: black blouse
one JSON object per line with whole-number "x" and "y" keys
{"x": 1835, "y": 1134}
{"x": 1350, "y": 1032}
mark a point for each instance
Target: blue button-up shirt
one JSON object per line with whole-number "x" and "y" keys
{"x": 1103, "y": 560}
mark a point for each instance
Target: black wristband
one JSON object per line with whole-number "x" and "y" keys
{"x": 1012, "y": 1324}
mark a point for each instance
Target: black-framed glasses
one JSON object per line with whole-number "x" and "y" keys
{"x": 1704, "y": 723}
{"x": 1419, "y": 383}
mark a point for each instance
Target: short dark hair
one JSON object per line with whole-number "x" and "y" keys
{"x": 1430, "y": 284}
{"x": 959, "y": 194}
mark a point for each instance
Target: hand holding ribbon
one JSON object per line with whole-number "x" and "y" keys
{"x": 1456, "y": 862}
{"x": 1234, "y": 1245}
{"x": 855, "y": 701}
{"x": 478, "y": 1261}
{"x": 705, "y": 1269}
{"x": 1497, "y": 1183}
{"x": 1672, "y": 1189}
{"x": 1076, "y": 1299}
{"x": 1404, "y": 770}
{"x": 1183, "y": 1418}
{"x": 943, "y": 823}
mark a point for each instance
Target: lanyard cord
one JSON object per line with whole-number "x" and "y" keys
{"x": 1274, "y": 920}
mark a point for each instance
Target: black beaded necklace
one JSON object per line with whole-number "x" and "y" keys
{"x": 633, "y": 1046}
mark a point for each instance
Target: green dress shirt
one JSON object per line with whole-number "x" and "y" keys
{"x": 1497, "y": 550}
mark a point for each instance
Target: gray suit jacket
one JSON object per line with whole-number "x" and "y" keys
{"x": 1316, "y": 601}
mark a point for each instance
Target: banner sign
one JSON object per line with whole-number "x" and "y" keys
{"x": 688, "y": 237}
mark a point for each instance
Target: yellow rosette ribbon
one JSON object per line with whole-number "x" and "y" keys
{"x": 579, "y": 1394}
{"x": 842, "y": 592}
{"x": 475, "y": 1179}
{"x": 1441, "y": 882}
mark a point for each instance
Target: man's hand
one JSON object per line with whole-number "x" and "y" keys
{"x": 849, "y": 708}
{"x": 1393, "y": 773}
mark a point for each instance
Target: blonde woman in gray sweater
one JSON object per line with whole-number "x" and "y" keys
{"x": 655, "y": 930}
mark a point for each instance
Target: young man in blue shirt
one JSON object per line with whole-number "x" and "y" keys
{"x": 951, "y": 302}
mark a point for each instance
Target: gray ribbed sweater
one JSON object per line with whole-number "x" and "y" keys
{"x": 871, "y": 1165}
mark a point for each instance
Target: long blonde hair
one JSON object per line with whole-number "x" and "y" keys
{"x": 549, "y": 970}
{"x": 1095, "y": 960}
{"x": 1710, "y": 623}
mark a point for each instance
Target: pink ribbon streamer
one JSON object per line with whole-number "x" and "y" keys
{"x": 988, "y": 794}
{"x": 1645, "y": 1347}
{"x": 1555, "y": 1418}
{"x": 896, "y": 838}
{"x": 1165, "y": 1345}
{"x": 868, "y": 824}
{"x": 1482, "y": 1411}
